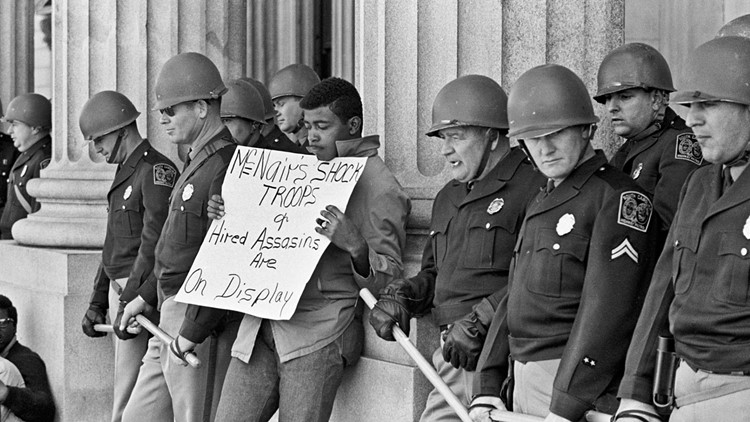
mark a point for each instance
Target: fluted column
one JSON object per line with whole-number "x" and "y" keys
{"x": 16, "y": 49}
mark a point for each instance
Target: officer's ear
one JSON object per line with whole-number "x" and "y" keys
{"x": 659, "y": 99}
{"x": 202, "y": 108}
{"x": 589, "y": 131}
{"x": 355, "y": 125}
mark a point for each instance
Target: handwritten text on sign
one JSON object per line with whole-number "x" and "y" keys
{"x": 258, "y": 258}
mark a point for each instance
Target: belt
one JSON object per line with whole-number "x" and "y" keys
{"x": 115, "y": 286}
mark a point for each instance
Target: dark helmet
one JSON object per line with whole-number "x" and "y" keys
{"x": 243, "y": 100}
{"x": 187, "y": 77}
{"x": 33, "y": 109}
{"x": 265, "y": 95}
{"x": 633, "y": 65}
{"x": 739, "y": 27}
{"x": 104, "y": 113}
{"x": 546, "y": 99}
{"x": 295, "y": 80}
{"x": 471, "y": 100}
{"x": 718, "y": 70}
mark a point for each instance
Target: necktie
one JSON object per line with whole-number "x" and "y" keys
{"x": 726, "y": 177}
{"x": 187, "y": 159}
{"x": 550, "y": 186}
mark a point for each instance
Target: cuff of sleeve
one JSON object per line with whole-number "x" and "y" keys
{"x": 11, "y": 397}
{"x": 488, "y": 383}
{"x": 199, "y": 322}
{"x": 148, "y": 291}
{"x": 374, "y": 260}
{"x": 485, "y": 312}
{"x": 568, "y": 406}
{"x": 636, "y": 388}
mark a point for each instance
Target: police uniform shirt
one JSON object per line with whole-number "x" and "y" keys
{"x": 701, "y": 285}
{"x": 277, "y": 140}
{"x": 581, "y": 269}
{"x": 26, "y": 167}
{"x": 138, "y": 205}
{"x": 8, "y": 156}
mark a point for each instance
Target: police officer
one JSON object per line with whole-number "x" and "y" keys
{"x": 8, "y": 155}
{"x": 287, "y": 87}
{"x": 30, "y": 119}
{"x": 580, "y": 267}
{"x": 699, "y": 292}
{"x": 660, "y": 150}
{"x": 188, "y": 96}
{"x": 138, "y": 205}
{"x": 475, "y": 220}
{"x": 270, "y": 132}
{"x": 739, "y": 27}
{"x": 243, "y": 113}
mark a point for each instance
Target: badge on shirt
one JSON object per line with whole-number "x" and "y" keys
{"x": 565, "y": 224}
{"x": 746, "y": 229}
{"x": 43, "y": 165}
{"x": 164, "y": 175}
{"x": 128, "y": 191}
{"x": 687, "y": 148}
{"x": 23, "y": 170}
{"x": 495, "y": 206}
{"x": 635, "y": 211}
{"x": 187, "y": 193}
{"x": 625, "y": 248}
{"x": 637, "y": 171}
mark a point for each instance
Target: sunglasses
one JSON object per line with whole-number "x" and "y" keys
{"x": 4, "y": 322}
{"x": 169, "y": 111}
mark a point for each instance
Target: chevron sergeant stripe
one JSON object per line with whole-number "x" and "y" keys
{"x": 625, "y": 248}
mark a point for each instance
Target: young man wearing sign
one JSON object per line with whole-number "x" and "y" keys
{"x": 296, "y": 366}
{"x": 581, "y": 264}
{"x": 475, "y": 221}
{"x": 138, "y": 205}
{"x": 188, "y": 96}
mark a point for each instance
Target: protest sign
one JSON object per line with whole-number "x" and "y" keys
{"x": 258, "y": 258}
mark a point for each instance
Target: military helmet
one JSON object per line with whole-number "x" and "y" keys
{"x": 270, "y": 113}
{"x": 739, "y": 27}
{"x": 243, "y": 100}
{"x": 104, "y": 113}
{"x": 546, "y": 99}
{"x": 33, "y": 109}
{"x": 633, "y": 65}
{"x": 470, "y": 100}
{"x": 187, "y": 77}
{"x": 718, "y": 70}
{"x": 295, "y": 80}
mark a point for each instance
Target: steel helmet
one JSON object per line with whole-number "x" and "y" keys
{"x": 295, "y": 80}
{"x": 104, "y": 113}
{"x": 243, "y": 100}
{"x": 633, "y": 65}
{"x": 187, "y": 77}
{"x": 270, "y": 113}
{"x": 470, "y": 100}
{"x": 546, "y": 99}
{"x": 739, "y": 27}
{"x": 718, "y": 70}
{"x": 33, "y": 109}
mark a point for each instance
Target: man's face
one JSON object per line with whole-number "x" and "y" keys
{"x": 7, "y": 329}
{"x": 722, "y": 129}
{"x": 22, "y": 134}
{"x": 105, "y": 145}
{"x": 324, "y": 128}
{"x": 463, "y": 149}
{"x": 631, "y": 111}
{"x": 288, "y": 113}
{"x": 181, "y": 122}
{"x": 244, "y": 131}
{"x": 557, "y": 154}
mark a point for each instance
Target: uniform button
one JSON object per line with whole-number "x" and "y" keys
{"x": 182, "y": 208}
{"x": 487, "y": 226}
{"x": 743, "y": 251}
{"x": 601, "y": 168}
{"x": 676, "y": 243}
{"x": 145, "y": 153}
{"x": 276, "y": 140}
{"x": 556, "y": 246}
{"x": 123, "y": 207}
{"x": 432, "y": 233}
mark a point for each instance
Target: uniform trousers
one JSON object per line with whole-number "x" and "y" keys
{"x": 532, "y": 392}
{"x": 166, "y": 391}
{"x": 437, "y": 408}
{"x": 725, "y": 408}
{"x": 128, "y": 358}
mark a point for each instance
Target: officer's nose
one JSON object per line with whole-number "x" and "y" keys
{"x": 446, "y": 148}
{"x": 612, "y": 105}
{"x": 694, "y": 116}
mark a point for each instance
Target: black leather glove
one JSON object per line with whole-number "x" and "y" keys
{"x": 94, "y": 315}
{"x": 465, "y": 337}
{"x": 392, "y": 308}
{"x": 122, "y": 335}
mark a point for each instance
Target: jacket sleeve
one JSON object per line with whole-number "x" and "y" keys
{"x": 100, "y": 295}
{"x": 492, "y": 366}
{"x": 155, "y": 210}
{"x": 672, "y": 175}
{"x": 618, "y": 270}
{"x": 32, "y": 403}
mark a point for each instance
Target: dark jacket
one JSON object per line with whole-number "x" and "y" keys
{"x": 8, "y": 156}
{"x": 277, "y": 140}
{"x": 34, "y": 402}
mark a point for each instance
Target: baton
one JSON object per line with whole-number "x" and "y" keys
{"x": 422, "y": 363}
{"x": 103, "y": 328}
{"x": 166, "y": 338}
{"x": 499, "y": 415}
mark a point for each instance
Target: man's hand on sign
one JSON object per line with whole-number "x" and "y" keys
{"x": 135, "y": 307}
{"x": 342, "y": 232}
{"x": 216, "y": 207}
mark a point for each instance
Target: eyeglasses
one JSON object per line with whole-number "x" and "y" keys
{"x": 4, "y": 322}
{"x": 169, "y": 111}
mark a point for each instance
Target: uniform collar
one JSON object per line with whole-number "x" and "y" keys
{"x": 25, "y": 156}
{"x": 201, "y": 143}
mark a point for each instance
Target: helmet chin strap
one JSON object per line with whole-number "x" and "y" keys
{"x": 485, "y": 156}
{"x": 113, "y": 156}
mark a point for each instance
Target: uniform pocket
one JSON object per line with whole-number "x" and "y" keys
{"x": 439, "y": 238}
{"x": 683, "y": 260}
{"x": 127, "y": 220}
{"x": 189, "y": 227}
{"x": 731, "y": 285}
{"x": 559, "y": 265}
{"x": 491, "y": 240}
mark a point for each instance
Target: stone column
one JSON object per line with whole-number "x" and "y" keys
{"x": 405, "y": 51}
{"x": 16, "y": 49}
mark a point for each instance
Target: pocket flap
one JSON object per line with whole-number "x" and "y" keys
{"x": 734, "y": 244}
{"x": 569, "y": 244}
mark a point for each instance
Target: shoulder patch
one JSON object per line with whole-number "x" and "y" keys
{"x": 688, "y": 149}
{"x": 164, "y": 175}
{"x": 635, "y": 210}
{"x": 43, "y": 165}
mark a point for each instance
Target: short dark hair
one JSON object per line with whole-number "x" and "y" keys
{"x": 341, "y": 97}
{"x": 6, "y": 304}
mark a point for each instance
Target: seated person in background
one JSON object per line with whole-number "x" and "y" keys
{"x": 9, "y": 376}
